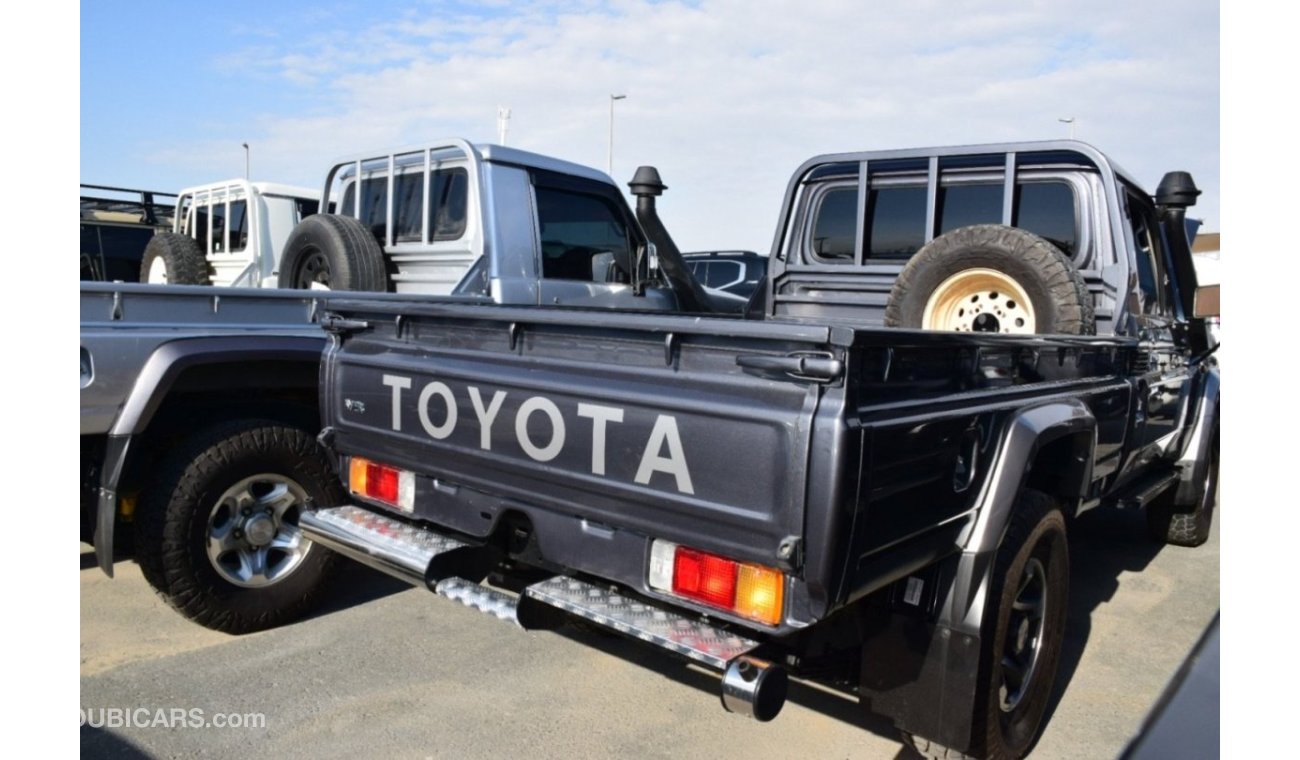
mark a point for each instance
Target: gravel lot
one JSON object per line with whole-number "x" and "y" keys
{"x": 391, "y": 671}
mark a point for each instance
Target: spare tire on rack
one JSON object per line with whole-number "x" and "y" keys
{"x": 332, "y": 252}
{"x": 991, "y": 278}
{"x": 173, "y": 259}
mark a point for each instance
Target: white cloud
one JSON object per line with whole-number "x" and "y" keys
{"x": 727, "y": 97}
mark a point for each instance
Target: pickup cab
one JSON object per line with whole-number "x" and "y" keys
{"x": 868, "y": 476}
{"x": 453, "y": 218}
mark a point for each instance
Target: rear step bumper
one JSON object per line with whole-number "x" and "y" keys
{"x": 750, "y": 685}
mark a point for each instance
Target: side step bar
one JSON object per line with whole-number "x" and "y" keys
{"x": 750, "y": 685}
{"x": 1142, "y": 493}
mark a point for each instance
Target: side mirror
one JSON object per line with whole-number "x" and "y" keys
{"x": 650, "y": 255}
{"x": 1206, "y": 302}
{"x": 602, "y": 267}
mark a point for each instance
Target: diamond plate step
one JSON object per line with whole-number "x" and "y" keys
{"x": 498, "y": 604}
{"x": 699, "y": 641}
{"x": 405, "y": 551}
{"x": 391, "y": 546}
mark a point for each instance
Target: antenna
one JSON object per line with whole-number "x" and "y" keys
{"x": 503, "y": 123}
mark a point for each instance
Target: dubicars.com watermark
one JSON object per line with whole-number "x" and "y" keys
{"x": 168, "y": 717}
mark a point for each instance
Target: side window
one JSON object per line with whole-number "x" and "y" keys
{"x": 407, "y": 206}
{"x": 1048, "y": 210}
{"x": 374, "y": 205}
{"x": 835, "y": 225}
{"x": 350, "y": 192}
{"x": 968, "y": 204}
{"x": 895, "y": 222}
{"x": 448, "y": 203}
{"x": 1149, "y": 252}
{"x": 574, "y": 228}
{"x": 238, "y": 225}
{"x": 308, "y": 206}
{"x": 217, "y": 213}
{"x": 722, "y": 273}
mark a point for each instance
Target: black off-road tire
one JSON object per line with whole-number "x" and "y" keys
{"x": 1037, "y": 536}
{"x": 181, "y": 257}
{"x": 172, "y": 524}
{"x": 1058, "y": 293}
{"x": 334, "y": 252}
{"x": 1172, "y": 523}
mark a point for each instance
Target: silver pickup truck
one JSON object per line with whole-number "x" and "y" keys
{"x": 199, "y": 404}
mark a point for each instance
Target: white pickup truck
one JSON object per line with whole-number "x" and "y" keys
{"x": 227, "y": 233}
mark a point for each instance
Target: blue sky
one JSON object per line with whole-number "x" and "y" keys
{"x": 726, "y": 97}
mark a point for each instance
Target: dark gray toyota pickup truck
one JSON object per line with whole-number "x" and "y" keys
{"x": 867, "y": 478}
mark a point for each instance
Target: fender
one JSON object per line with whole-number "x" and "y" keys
{"x": 151, "y": 387}
{"x": 1194, "y": 459}
{"x": 944, "y": 656}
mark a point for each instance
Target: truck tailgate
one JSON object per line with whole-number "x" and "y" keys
{"x": 637, "y": 422}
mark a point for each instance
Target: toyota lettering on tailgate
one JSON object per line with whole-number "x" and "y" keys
{"x": 438, "y": 411}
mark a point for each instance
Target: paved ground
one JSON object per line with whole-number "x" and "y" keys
{"x": 397, "y": 672}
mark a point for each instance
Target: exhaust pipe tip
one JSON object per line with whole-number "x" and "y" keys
{"x": 754, "y": 688}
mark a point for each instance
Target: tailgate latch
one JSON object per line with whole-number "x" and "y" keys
{"x": 336, "y": 324}
{"x": 817, "y": 366}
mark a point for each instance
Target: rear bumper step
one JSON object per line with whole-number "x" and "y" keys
{"x": 751, "y": 685}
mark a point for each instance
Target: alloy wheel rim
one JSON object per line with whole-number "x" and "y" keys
{"x": 1023, "y": 645}
{"x": 253, "y": 538}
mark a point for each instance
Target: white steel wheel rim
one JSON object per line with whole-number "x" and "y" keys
{"x": 980, "y": 300}
{"x": 158, "y": 271}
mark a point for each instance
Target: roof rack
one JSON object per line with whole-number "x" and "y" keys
{"x": 103, "y": 203}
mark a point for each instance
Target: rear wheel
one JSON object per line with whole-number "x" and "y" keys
{"x": 1024, "y": 629}
{"x": 1172, "y": 523}
{"x": 332, "y": 252}
{"x": 174, "y": 259}
{"x": 217, "y": 534}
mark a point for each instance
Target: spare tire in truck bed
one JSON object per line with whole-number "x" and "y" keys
{"x": 328, "y": 251}
{"x": 991, "y": 278}
{"x": 175, "y": 259}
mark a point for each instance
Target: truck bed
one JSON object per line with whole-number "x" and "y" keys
{"x": 791, "y": 444}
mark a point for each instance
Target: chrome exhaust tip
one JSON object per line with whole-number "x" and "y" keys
{"x": 754, "y": 688}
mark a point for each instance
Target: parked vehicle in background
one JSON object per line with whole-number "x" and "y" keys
{"x": 116, "y": 225}
{"x": 800, "y": 490}
{"x": 199, "y": 406}
{"x": 735, "y": 272}
{"x": 450, "y": 217}
{"x": 227, "y": 233}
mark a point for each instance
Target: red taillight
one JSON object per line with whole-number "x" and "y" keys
{"x": 382, "y": 483}
{"x": 746, "y": 589}
{"x": 705, "y": 577}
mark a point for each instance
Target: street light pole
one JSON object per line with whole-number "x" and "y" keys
{"x": 1069, "y": 120}
{"x": 612, "y": 98}
{"x": 246, "y": 162}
